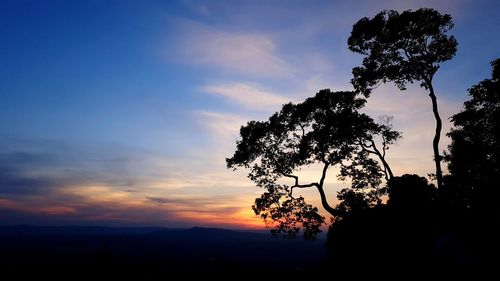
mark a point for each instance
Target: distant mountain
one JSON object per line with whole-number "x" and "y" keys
{"x": 150, "y": 249}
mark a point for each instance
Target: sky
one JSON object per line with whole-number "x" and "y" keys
{"x": 123, "y": 112}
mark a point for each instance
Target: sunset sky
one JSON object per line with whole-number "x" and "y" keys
{"x": 122, "y": 112}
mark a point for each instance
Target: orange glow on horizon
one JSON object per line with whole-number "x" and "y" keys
{"x": 243, "y": 218}
{"x": 132, "y": 208}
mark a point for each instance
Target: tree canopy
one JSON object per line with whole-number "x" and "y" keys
{"x": 474, "y": 154}
{"x": 326, "y": 129}
{"x": 403, "y": 48}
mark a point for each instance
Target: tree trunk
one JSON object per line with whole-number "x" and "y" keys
{"x": 324, "y": 201}
{"x": 322, "y": 194}
{"x": 437, "y": 136}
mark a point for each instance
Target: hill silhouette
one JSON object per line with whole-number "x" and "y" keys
{"x": 150, "y": 251}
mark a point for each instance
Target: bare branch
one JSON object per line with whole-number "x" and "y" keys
{"x": 297, "y": 181}
{"x": 365, "y": 147}
{"x": 387, "y": 169}
{"x": 296, "y": 178}
{"x": 321, "y": 191}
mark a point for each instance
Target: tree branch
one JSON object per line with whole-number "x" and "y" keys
{"x": 321, "y": 191}
{"x": 297, "y": 181}
{"x": 364, "y": 147}
{"x": 387, "y": 169}
{"x": 296, "y": 178}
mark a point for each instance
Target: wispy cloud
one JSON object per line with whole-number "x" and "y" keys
{"x": 197, "y": 7}
{"x": 14, "y": 205}
{"x": 104, "y": 188}
{"x": 224, "y": 126}
{"x": 158, "y": 200}
{"x": 248, "y": 96}
{"x": 244, "y": 52}
{"x": 87, "y": 207}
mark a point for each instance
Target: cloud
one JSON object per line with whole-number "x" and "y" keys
{"x": 248, "y": 53}
{"x": 197, "y": 7}
{"x": 40, "y": 183}
{"x": 158, "y": 200}
{"x": 90, "y": 205}
{"x": 29, "y": 208}
{"x": 248, "y": 96}
{"x": 14, "y": 183}
{"x": 186, "y": 201}
{"x": 39, "y": 167}
{"x": 31, "y": 171}
{"x": 223, "y": 126}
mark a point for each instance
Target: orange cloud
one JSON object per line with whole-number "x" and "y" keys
{"x": 31, "y": 208}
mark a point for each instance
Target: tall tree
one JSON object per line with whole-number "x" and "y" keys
{"x": 474, "y": 154}
{"x": 327, "y": 130}
{"x": 404, "y": 48}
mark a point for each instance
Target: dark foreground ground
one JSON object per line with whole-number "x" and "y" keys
{"x": 74, "y": 252}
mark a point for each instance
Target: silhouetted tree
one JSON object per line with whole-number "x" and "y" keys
{"x": 326, "y": 129}
{"x": 403, "y": 48}
{"x": 474, "y": 154}
{"x": 396, "y": 236}
{"x": 410, "y": 192}
{"x": 469, "y": 200}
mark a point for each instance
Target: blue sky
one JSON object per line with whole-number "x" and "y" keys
{"x": 122, "y": 112}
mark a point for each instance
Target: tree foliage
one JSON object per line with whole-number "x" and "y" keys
{"x": 327, "y": 130}
{"x": 403, "y": 48}
{"x": 396, "y": 235}
{"x": 474, "y": 154}
{"x": 410, "y": 192}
